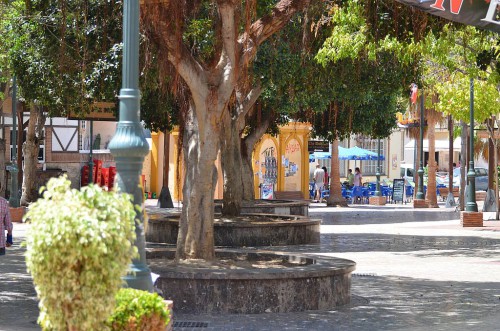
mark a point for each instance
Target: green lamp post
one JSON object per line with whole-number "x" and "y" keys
{"x": 471, "y": 204}
{"x": 129, "y": 146}
{"x": 14, "y": 197}
{"x": 420, "y": 193}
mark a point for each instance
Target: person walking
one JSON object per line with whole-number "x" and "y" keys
{"x": 5, "y": 225}
{"x": 350, "y": 178}
{"x": 319, "y": 182}
{"x": 327, "y": 179}
{"x": 358, "y": 178}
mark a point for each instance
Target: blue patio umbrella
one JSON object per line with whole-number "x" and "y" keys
{"x": 357, "y": 153}
{"x": 353, "y": 153}
{"x": 319, "y": 156}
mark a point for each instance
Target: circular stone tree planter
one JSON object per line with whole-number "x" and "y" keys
{"x": 242, "y": 282}
{"x": 278, "y": 207}
{"x": 248, "y": 230}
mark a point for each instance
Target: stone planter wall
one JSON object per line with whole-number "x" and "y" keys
{"x": 318, "y": 283}
{"x": 378, "y": 201}
{"x": 292, "y": 230}
{"x": 278, "y": 207}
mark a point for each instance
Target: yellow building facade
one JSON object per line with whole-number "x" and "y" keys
{"x": 289, "y": 149}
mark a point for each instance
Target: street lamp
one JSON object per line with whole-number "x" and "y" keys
{"x": 471, "y": 204}
{"x": 129, "y": 146}
{"x": 14, "y": 198}
{"x": 420, "y": 193}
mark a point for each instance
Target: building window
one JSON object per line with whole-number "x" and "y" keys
{"x": 369, "y": 168}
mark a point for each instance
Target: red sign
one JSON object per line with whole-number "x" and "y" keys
{"x": 481, "y": 13}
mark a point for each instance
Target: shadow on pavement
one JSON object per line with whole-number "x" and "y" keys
{"x": 18, "y": 302}
{"x": 382, "y": 216}
{"x": 421, "y": 246}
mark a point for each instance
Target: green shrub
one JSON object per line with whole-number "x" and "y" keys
{"x": 139, "y": 311}
{"x": 79, "y": 245}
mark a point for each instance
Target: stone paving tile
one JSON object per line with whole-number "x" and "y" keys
{"x": 413, "y": 273}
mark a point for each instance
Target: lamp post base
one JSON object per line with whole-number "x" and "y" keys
{"x": 378, "y": 201}
{"x": 139, "y": 277}
{"x": 16, "y": 214}
{"x": 450, "y": 201}
{"x": 471, "y": 219}
{"x": 420, "y": 203}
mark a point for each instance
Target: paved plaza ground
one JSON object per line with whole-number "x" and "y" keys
{"x": 415, "y": 271}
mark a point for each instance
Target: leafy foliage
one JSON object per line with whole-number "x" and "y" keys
{"x": 66, "y": 55}
{"x": 138, "y": 310}
{"x": 78, "y": 246}
{"x": 453, "y": 58}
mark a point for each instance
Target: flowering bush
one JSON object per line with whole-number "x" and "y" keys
{"x": 79, "y": 245}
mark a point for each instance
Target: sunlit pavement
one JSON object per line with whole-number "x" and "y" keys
{"x": 415, "y": 271}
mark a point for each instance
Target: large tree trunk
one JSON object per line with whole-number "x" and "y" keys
{"x": 247, "y": 146}
{"x": 490, "y": 201}
{"x": 491, "y": 154}
{"x": 496, "y": 186}
{"x": 30, "y": 152}
{"x": 232, "y": 166}
{"x": 431, "y": 195}
{"x": 463, "y": 164}
{"x": 211, "y": 87}
{"x": 232, "y": 149}
{"x": 2, "y": 168}
{"x": 417, "y": 163}
{"x": 335, "y": 198}
{"x": 200, "y": 147}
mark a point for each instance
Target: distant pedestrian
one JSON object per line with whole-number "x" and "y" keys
{"x": 319, "y": 182}
{"x": 350, "y": 178}
{"x": 327, "y": 178}
{"x": 358, "y": 178}
{"x": 5, "y": 225}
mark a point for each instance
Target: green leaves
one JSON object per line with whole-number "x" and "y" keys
{"x": 78, "y": 246}
{"x": 454, "y": 98}
{"x": 139, "y": 310}
{"x": 349, "y": 34}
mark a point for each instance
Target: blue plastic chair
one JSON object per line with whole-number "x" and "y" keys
{"x": 409, "y": 192}
{"x": 386, "y": 192}
{"x": 346, "y": 194}
{"x": 357, "y": 194}
{"x": 311, "y": 191}
{"x": 366, "y": 194}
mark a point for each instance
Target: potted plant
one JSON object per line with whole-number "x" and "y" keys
{"x": 79, "y": 245}
{"x": 138, "y": 310}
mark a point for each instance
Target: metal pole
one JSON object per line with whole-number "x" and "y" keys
{"x": 91, "y": 156}
{"x": 378, "y": 193}
{"x": 420, "y": 193}
{"x": 471, "y": 204}
{"x": 14, "y": 197}
{"x": 129, "y": 146}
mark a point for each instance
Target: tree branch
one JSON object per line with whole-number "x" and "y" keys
{"x": 178, "y": 54}
{"x": 254, "y": 135}
{"x": 266, "y": 26}
{"x": 228, "y": 58}
{"x": 247, "y": 104}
